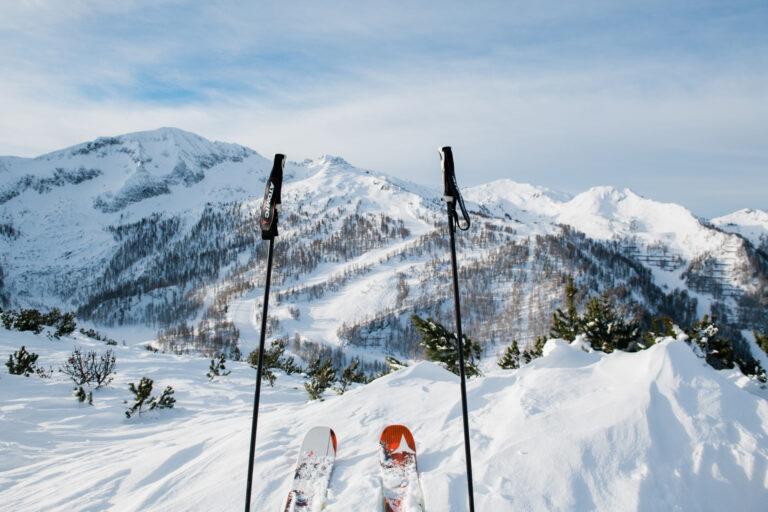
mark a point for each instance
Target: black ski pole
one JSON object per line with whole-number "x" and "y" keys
{"x": 451, "y": 196}
{"x": 268, "y": 223}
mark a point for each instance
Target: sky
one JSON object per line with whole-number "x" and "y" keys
{"x": 668, "y": 98}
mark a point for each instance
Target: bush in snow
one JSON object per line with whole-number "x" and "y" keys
{"x": 510, "y": 359}
{"x": 351, "y": 375}
{"x": 33, "y": 320}
{"x": 321, "y": 376}
{"x": 90, "y": 368}
{"x": 235, "y": 353}
{"x": 82, "y": 396}
{"x": 142, "y": 398}
{"x": 97, "y": 336}
{"x": 64, "y": 323}
{"x": 440, "y": 346}
{"x": 21, "y": 362}
{"x": 217, "y": 368}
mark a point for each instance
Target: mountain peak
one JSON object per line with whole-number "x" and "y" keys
{"x": 326, "y": 161}
{"x": 750, "y": 223}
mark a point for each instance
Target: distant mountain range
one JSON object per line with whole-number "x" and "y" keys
{"x": 159, "y": 228}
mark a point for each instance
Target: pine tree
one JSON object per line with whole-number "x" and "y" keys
{"x": 21, "y": 362}
{"x": 717, "y": 351}
{"x": 605, "y": 329}
{"x": 510, "y": 359}
{"x": 274, "y": 359}
{"x": 217, "y": 368}
{"x": 65, "y": 325}
{"x": 440, "y": 346}
{"x": 536, "y": 351}
{"x": 322, "y": 375}
{"x": 566, "y": 325}
{"x": 141, "y": 397}
{"x": 166, "y": 400}
{"x": 664, "y": 330}
{"x": 351, "y": 375}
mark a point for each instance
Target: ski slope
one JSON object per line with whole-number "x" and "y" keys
{"x": 572, "y": 431}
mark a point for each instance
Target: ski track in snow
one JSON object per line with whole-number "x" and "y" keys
{"x": 655, "y": 430}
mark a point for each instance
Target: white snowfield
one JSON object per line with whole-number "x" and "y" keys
{"x": 573, "y": 431}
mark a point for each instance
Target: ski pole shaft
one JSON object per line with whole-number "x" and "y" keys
{"x": 259, "y": 371}
{"x": 452, "y": 198}
{"x": 268, "y": 224}
{"x": 462, "y": 375}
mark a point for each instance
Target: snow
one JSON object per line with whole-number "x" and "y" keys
{"x": 751, "y": 224}
{"x": 573, "y": 430}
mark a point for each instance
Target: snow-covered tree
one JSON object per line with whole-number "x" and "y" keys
{"x": 440, "y": 346}
{"x": 605, "y": 328}
{"x": 718, "y": 351}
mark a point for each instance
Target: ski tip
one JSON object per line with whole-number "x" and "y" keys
{"x": 335, "y": 442}
{"x": 319, "y": 432}
{"x": 392, "y": 436}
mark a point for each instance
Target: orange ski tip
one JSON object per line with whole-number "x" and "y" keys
{"x": 392, "y": 435}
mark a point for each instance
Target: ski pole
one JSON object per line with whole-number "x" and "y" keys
{"x": 268, "y": 224}
{"x": 451, "y": 196}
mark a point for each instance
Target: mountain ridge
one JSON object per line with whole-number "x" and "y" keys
{"x": 121, "y": 231}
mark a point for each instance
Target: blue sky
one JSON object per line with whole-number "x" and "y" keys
{"x": 669, "y": 98}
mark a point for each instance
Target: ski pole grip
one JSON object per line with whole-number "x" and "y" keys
{"x": 272, "y": 201}
{"x": 449, "y": 189}
{"x": 451, "y": 194}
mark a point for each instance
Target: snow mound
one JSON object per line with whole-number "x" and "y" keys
{"x": 573, "y": 430}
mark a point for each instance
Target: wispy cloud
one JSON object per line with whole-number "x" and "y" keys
{"x": 562, "y": 94}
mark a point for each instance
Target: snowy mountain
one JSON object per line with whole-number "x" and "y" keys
{"x": 159, "y": 229}
{"x": 571, "y": 431}
{"x": 751, "y": 224}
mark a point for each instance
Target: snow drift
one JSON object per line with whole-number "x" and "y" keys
{"x": 573, "y": 430}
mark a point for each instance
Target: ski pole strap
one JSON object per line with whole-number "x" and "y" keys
{"x": 271, "y": 204}
{"x": 451, "y": 194}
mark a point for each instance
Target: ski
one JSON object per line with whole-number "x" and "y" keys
{"x": 313, "y": 471}
{"x": 400, "y": 486}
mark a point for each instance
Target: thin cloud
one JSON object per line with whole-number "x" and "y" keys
{"x": 554, "y": 93}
